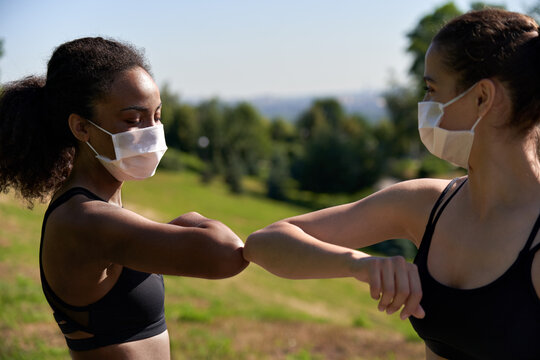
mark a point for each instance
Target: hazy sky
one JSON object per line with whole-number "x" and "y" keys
{"x": 233, "y": 48}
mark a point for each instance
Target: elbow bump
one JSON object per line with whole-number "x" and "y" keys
{"x": 230, "y": 264}
{"x": 252, "y": 244}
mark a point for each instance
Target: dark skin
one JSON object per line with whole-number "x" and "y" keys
{"x": 95, "y": 239}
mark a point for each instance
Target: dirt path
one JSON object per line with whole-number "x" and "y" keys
{"x": 280, "y": 341}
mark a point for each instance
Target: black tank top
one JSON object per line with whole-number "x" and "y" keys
{"x": 132, "y": 310}
{"x": 500, "y": 320}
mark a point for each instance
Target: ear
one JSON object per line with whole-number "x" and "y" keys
{"x": 79, "y": 127}
{"x": 486, "y": 96}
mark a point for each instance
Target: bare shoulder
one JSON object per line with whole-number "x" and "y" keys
{"x": 417, "y": 187}
{"x": 81, "y": 214}
{"x": 399, "y": 211}
{"x": 408, "y": 204}
{"x": 84, "y": 225}
{"x": 408, "y": 195}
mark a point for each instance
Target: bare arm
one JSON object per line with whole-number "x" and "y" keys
{"x": 321, "y": 244}
{"x": 189, "y": 245}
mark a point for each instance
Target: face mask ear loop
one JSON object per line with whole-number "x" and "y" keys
{"x": 476, "y": 123}
{"x": 459, "y": 96}
{"x": 92, "y": 148}
{"x": 99, "y": 127}
{"x": 106, "y": 132}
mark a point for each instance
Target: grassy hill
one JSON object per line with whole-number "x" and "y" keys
{"x": 254, "y": 315}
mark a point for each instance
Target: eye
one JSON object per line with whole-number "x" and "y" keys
{"x": 157, "y": 116}
{"x": 428, "y": 89}
{"x": 132, "y": 121}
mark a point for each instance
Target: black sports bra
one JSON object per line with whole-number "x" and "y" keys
{"x": 500, "y": 320}
{"x": 132, "y": 310}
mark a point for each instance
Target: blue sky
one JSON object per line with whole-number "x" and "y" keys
{"x": 231, "y": 49}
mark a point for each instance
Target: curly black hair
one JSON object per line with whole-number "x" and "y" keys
{"x": 37, "y": 147}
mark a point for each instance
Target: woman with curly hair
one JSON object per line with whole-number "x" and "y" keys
{"x": 474, "y": 288}
{"x": 92, "y": 123}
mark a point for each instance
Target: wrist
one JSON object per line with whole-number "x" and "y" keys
{"x": 357, "y": 265}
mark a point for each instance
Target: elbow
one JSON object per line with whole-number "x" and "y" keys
{"x": 263, "y": 244}
{"x": 253, "y": 245}
{"x": 230, "y": 263}
{"x": 228, "y": 258}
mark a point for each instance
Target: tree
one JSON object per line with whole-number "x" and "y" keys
{"x": 187, "y": 127}
{"x": 338, "y": 150}
{"x": 170, "y": 102}
{"x": 420, "y": 37}
{"x": 1, "y": 50}
{"x": 323, "y": 115}
{"x": 279, "y": 175}
{"x": 282, "y": 131}
{"x": 402, "y": 105}
{"x": 482, "y": 5}
{"x": 211, "y": 139}
{"x": 405, "y": 148}
{"x": 534, "y": 11}
{"x": 246, "y": 136}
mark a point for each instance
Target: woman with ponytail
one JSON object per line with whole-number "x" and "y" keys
{"x": 473, "y": 292}
{"x": 75, "y": 136}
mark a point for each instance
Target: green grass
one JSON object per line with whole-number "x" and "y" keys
{"x": 207, "y": 319}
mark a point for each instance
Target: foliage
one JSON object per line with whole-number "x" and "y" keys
{"x": 325, "y": 156}
{"x": 534, "y": 11}
{"x": 420, "y": 37}
{"x": 1, "y": 54}
{"x": 206, "y": 318}
{"x": 278, "y": 178}
{"x": 401, "y": 102}
{"x": 409, "y": 157}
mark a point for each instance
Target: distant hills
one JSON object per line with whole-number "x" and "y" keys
{"x": 369, "y": 103}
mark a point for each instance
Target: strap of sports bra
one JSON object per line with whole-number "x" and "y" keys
{"x": 437, "y": 208}
{"x": 55, "y": 301}
{"x": 68, "y": 195}
{"x": 436, "y": 212}
{"x": 439, "y": 213}
{"x": 532, "y": 236}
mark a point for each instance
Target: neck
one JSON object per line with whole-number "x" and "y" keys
{"x": 87, "y": 172}
{"x": 504, "y": 173}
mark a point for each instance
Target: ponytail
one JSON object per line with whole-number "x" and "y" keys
{"x": 32, "y": 161}
{"x": 37, "y": 147}
{"x": 523, "y": 77}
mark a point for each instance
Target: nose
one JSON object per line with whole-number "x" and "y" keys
{"x": 151, "y": 121}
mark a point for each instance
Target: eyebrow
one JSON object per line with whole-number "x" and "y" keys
{"x": 427, "y": 78}
{"x": 138, "y": 108}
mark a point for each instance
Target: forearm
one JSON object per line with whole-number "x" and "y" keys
{"x": 218, "y": 253}
{"x": 287, "y": 251}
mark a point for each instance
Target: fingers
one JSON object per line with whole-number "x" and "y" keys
{"x": 401, "y": 287}
{"x": 396, "y": 283}
{"x": 375, "y": 280}
{"x": 388, "y": 285}
{"x": 412, "y": 304}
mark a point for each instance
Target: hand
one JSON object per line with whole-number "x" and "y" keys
{"x": 190, "y": 219}
{"x": 395, "y": 282}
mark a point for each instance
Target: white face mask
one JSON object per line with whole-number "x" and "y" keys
{"x": 453, "y": 146}
{"x": 137, "y": 152}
